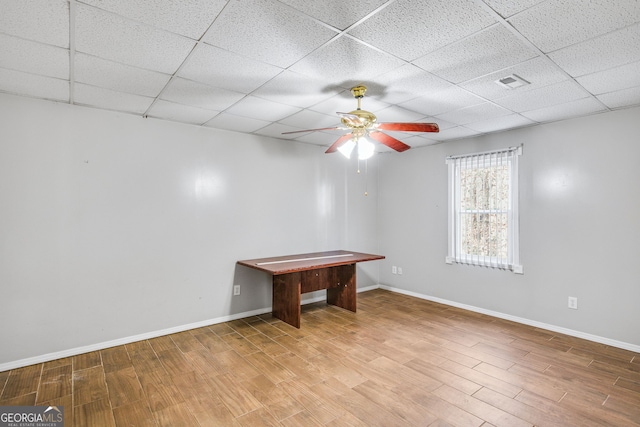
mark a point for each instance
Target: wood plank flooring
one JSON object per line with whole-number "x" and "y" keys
{"x": 398, "y": 361}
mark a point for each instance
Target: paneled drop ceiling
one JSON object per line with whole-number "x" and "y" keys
{"x": 268, "y": 66}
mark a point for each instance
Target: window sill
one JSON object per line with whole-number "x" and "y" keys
{"x": 516, "y": 268}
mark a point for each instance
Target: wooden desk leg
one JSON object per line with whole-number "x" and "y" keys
{"x": 286, "y": 298}
{"x": 344, "y": 295}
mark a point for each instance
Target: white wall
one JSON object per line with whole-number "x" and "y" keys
{"x": 113, "y": 226}
{"x": 580, "y": 226}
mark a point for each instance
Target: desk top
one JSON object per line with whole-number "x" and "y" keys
{"x": 302, "y": 262}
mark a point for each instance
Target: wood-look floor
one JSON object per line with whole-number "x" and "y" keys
{"x": 400, "y": 361}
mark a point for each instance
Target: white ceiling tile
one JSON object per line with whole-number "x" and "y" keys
{"x": 507, "y": 8}
{"x": 20, "y": 83}
{"x": 190, "y": 18}
{"x": 109, "y": 99}
{"x": 224, "y": 69}
{"x": 555, "y": 24}
{"x": 539, "y": 72}
{"x": 407, "y": 82}
{"x": 566, "y": 110}
{"x": 296, "y": 89}
{"x": 276, "y": 130}
{"x": 258, "y": 108}
{"x": 236, "y": 123}
{"x": 419, "y": 27}
{"x": 111, "y": 37}
{"x": 46, "y": 21}
{"x": 32, "y": 57}
{"x": 346, "y": 61}
{"x": 602, "y": 53}
{"x": 484, "y": 111}
{"x": 491, "y": 49}
{"x": 397, "y": 114}
{"x": 454, "y": 133}
{"x": 196, "y": 94}
{"x": 621, "y": 98}
{"x": 119, "y": 77}
{"x": 267, "y": 31}
{"x": 307, "y": 119}
{"x": 180, "y": 113}
{"x": 623, "y": 77}
{"x": 442, "y": 101}
{"x": 500, "y": 123}
{"x": 130, "y": 51}
{"x": 338, "y": 13}
{"x": 320, "y": 138}
{"x": 558, "y": 93}
{"x": 420, "y": 140}
{"x": 344, "y": 102}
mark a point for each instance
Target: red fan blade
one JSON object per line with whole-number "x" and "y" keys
{"x": 410, "y": 127}
{"x": 351, "y": 119}
{"x": 310, "y": 130}
{"x": 338, "y": 143}
{"x": 389, "y": 141}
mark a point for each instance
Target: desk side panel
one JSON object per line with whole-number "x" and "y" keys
{"x": 286, "y": 298}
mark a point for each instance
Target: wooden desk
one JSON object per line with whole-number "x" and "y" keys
{"x": 294, "y": 275}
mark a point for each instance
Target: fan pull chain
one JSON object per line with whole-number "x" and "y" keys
{"x": 366, "y": 169}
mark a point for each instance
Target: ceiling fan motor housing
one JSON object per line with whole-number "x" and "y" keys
{"x": 367, "y": 119}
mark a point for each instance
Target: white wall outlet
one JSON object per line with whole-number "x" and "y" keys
{"x": 573, "y": 303}
{"x": 394, "y": 269}
{"x": 399, "y": 270}
{"x": 236, "y": 290}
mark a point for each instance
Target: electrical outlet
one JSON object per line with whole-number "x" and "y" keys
{"x": 236, "y": 290}
{"x": 573, "y": 303}
{"x": 399, "y": 270}
{"x": 394, "y": 269}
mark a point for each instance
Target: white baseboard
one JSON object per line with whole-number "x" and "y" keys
{"x": 154, "y": 334}
{"x": 148, "y": 335}
{"x": 558, "y": 329}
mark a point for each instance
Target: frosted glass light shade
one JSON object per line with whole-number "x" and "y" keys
{"x": 365, "y": 149}
{"x": 347, "y": 148}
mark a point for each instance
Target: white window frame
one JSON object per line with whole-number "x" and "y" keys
{"x": 455, "y": 254}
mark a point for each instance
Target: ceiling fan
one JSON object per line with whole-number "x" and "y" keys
{"x": 362, "y": 124}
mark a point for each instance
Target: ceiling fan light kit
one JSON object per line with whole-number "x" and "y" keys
{"x": 365, "y": 148}
{"x": 363, "y": 126}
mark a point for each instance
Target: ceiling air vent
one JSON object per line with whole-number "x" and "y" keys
{"x": 512, "y": 82}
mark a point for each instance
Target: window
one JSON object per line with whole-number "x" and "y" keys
{"x": 483, "y": 209}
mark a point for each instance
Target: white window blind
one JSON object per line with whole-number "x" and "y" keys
{"x": 483, "y": 209}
